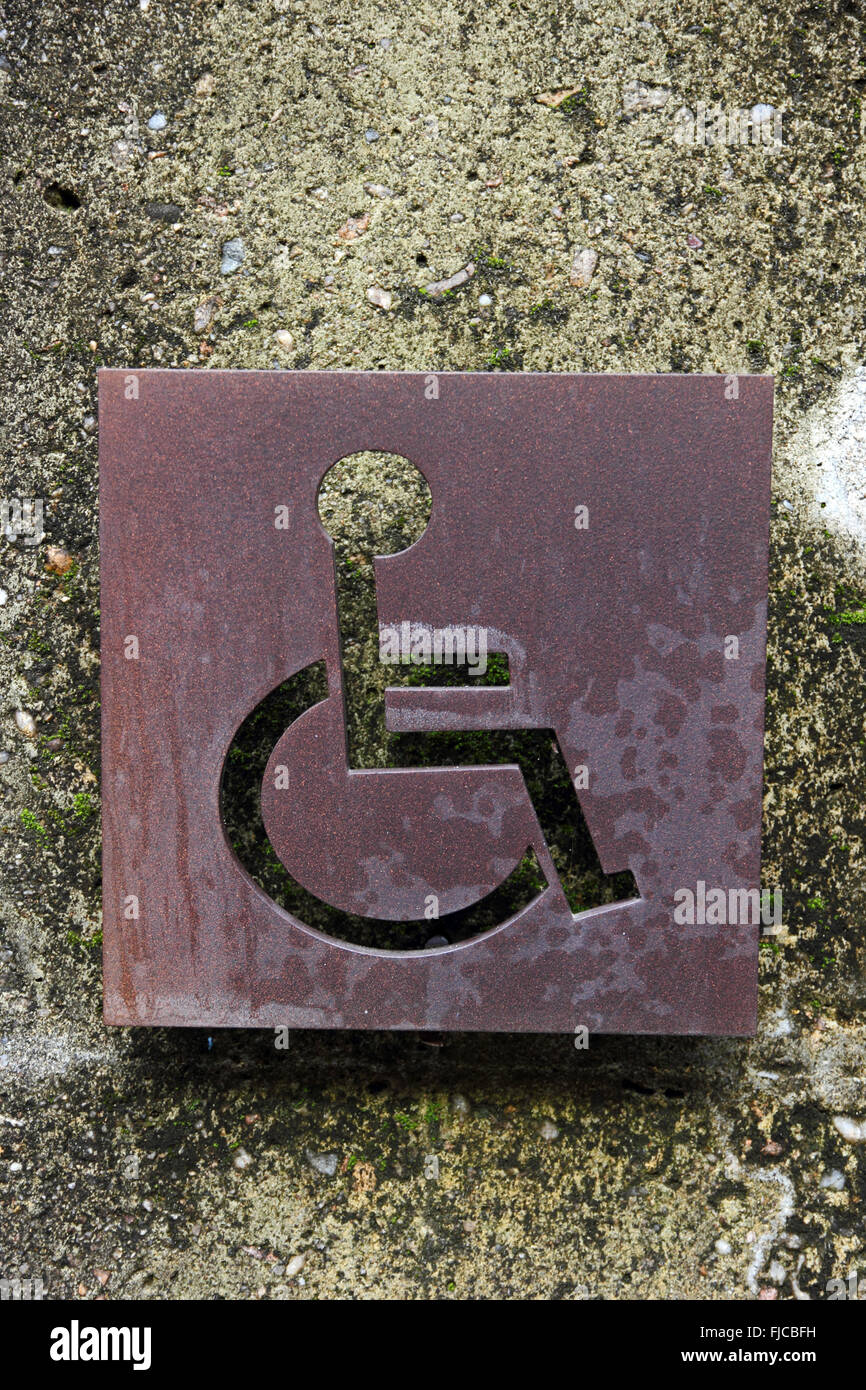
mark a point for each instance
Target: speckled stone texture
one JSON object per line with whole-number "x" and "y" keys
{"x": 658, "y": 1168}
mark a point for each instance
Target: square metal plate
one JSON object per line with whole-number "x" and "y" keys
{"x": 611, "y": 532}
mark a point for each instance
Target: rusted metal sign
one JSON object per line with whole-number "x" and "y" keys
{"x": 608, "y": 534}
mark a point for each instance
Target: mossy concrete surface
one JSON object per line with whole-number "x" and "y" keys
{"x": 360, "y": 154}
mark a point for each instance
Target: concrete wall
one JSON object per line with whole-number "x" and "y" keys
{"x": 382, "y": 147}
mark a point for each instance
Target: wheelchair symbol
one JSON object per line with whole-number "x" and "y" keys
{"x": 387, "y": 843}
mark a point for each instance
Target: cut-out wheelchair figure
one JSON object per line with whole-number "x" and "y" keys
{"x": 399, "y": 844}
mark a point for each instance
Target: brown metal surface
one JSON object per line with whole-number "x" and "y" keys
{"x": 618, "y": 636}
